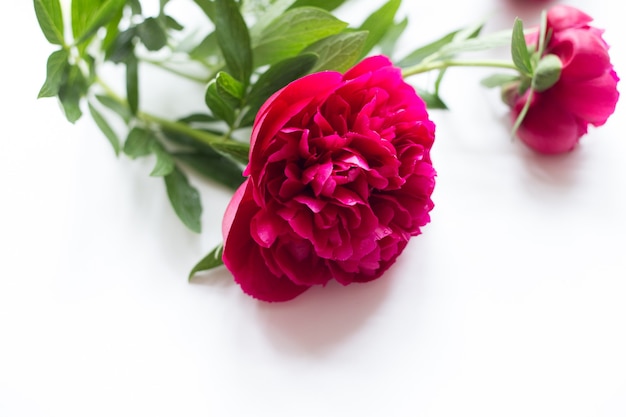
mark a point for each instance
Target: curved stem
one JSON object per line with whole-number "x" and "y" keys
{"x": 201, "y": 136}
{"x": 202, "y": 80}
{"x": 446, "y": 63}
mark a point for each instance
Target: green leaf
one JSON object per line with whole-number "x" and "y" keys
{"x": 208, "y": 7}
{"x": 293, "y": 31}
{"x": 188, "y": 142}
{"x": 234, "y": 40}
{"x": 239, "y": 151}
{"x": 185, "y": 199}
{"x": 547, "y": 73}
{"x": 498, "y": 80}
{"x": 105, "y": 128}
{"x": 389, "y": 41}
{"x": 214, "y": 167}
{"x": 197, "y": 118}
{"x": 135, "y": 6}
{"x": 112, "y": 30}
{"x": 206, "y": 48}
{"x": 116, "y": 106}
{"x": 272, "y": 12}
{"x": 138, "y": 142}
{"x": 378, "y": 23}
{"x": 105, "y": 13}
{"x": 56, "y": 67}
{"x": 322, "y": 4}
{"x": 164, "y": 162}
{"x": 519, "y": 49}
{"x": 50, "y": 18}
{"x": 338, "y": 52}
{"x": 432, "y": 100}
{"x": 229, "y": 89}
{"x": 72, "y": 89}
{"x": 132, "y": 83}
{"x": 490, "y": 41}
{"x": 82, "y": 11}
{"x": 212, "y": 260}
{"x": 122, "y": 47}
{"x": 275, "y": 78}
{"x": 218, "y": 106}
{"x": 418, "y": 55}
{"x": 172, "y": 23}
{"x": 152, "y": 34}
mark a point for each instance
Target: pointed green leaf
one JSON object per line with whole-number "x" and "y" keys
{"x": 432, "y": 100}
{"x": 122, "y": 47}
{"x": 72, "y": 89}
{"x": 212, "y": 260}
{"x": 378, "y": 23}
{"x": 338, "y": 52}
{"x": 138, "y": 142}
{"x": 215, "y": 167}
{"x": 132, "y": 83}
{"x": 207, "y": 47}
{"x": 272, "y": 12}
{"x": 293, "y": 31}
{"x": 56, "y": 67}
{"x": 152, "y": 34}
{"x": 112, "y": 30}
{"x": 389, "y": 41}
{"x": 197, "y": 118}
{"x": 185, "y": 199}
{"x": 106, "y": 12}
{"x": 275, "y": 78}
{"x": 427, "y": 50}
{"x": 50, "y": 18}
{"x": 217, "y": 105}
{"x": 498, "y": 80}
{"x": 208, "y": 7}
{"x": 322, "y": 4}
{"x": 172, "y": 23}
{"x": 234, "y": 40}
{"x": 135, "y": 6}
{"x": 547, "y": 73}
{"x": 116, "y": 106}
{"x": 239, "y": 151}
{"x": 519, "y": 49}
{"x": 164, "y": 162}
{"x": 229, "y": 89}
{"x": 226, "y": 84}
{"x": 82, "y": 11}
{"x": 104, "y": 126}
{"x": 490, "y": 41}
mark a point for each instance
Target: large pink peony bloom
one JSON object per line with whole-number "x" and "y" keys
{"x": 586, "y": 92}
{"x": 340, "y": 177}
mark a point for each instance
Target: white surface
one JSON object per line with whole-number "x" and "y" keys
{"x": 510, "y": 304}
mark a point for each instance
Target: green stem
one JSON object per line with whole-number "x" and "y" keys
{"x": 177, "y": 127}
{"x": 202, "y": 80}
{"x": 447, "y": 63}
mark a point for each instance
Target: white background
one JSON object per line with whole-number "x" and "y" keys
{"x": 511, "y": 303}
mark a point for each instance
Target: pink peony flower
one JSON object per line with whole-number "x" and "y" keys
{"x": 339, "y": 179}
{"x": 586, "y": 92}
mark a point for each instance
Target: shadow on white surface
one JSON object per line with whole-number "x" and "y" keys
{"x": 559, "y": 171}
{"x": 323, "y": 317}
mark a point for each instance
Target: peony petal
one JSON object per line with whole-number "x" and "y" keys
{"x": 242, "y": 256}
{"x": 561, "y": 16}
{"x": 282, "y": 106}
{"x": 550, "y": 129}
{"x": 584, "y": 54}
{"x": 593, "y": 101}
